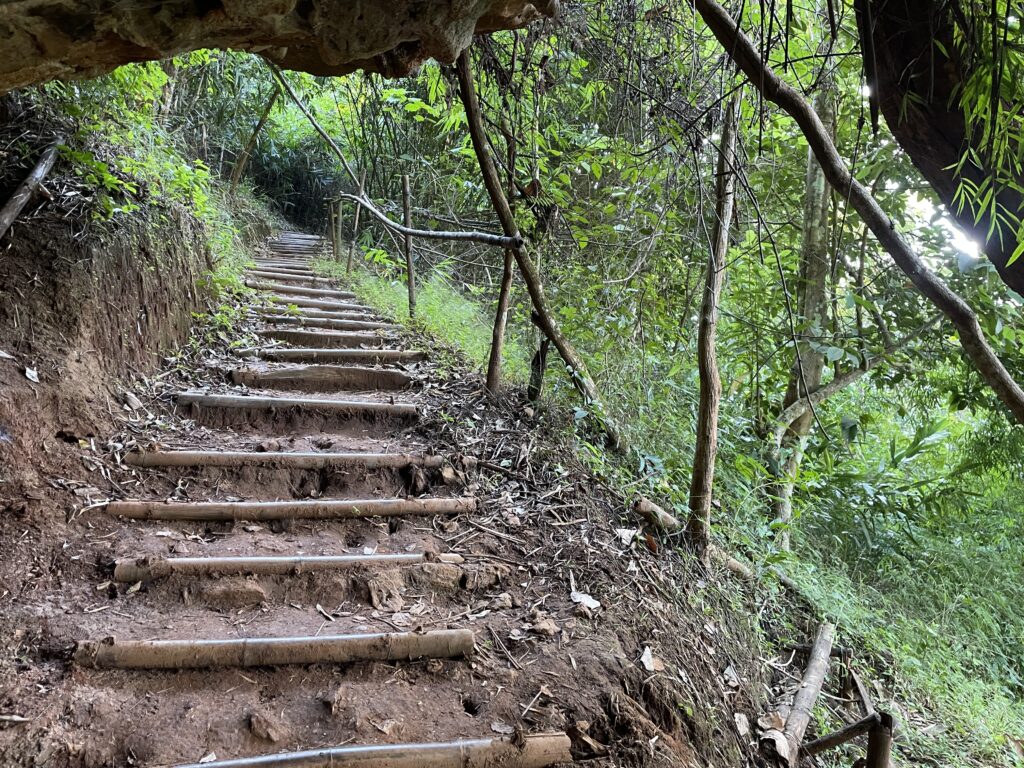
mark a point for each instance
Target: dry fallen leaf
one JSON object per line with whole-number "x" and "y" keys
{"x": 742, "y": 724}
{"x": 32, "y": 375}
{"x": 584, "y": 599}
{"x": 650, "y": 662}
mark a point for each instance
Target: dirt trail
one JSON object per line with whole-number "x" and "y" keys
{"x": 330, "y": 551}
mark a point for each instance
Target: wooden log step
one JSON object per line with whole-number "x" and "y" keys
{"x": 302, "y": 301}
{"x": 305, "y": 509}
{"x": 111, "y": 653}
{"x": 298, "y": 290}
{"x": 282, "y": 459}
{"x": 535, "y": 750}
{"x": 151, "y": 568}
{"x": 322, "y": 378}
{"x": 327, "y": 322}
{"x": 282, "y": 268}
{"x": 281, "y": 276}
{"x": 325, "y": 314}
{"x": 320, "y": 355}
{"x": 325, "y": 339}
{"x": 350, "y": 408}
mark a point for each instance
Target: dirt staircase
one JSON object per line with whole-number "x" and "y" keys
{"x": 301, "y": 454}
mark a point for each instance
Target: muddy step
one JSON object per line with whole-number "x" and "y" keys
{"x": 340, "y": 408}
{"x": 326, "y": 339}
{"x": 288, "y": 277}
{"x": 302, "y": 301}
{"x": 137, "y": 569}
{"x": 322, "y": 378}
{"x": 305, "y": 460}
{"x": 327, "y": 322}
{"x": 308, "y": 509}
{"x": 298, "y": 290}
{"x": 321, "y": 355}
{"x": 111, "y": 653}
{"x": 537, "y": 750}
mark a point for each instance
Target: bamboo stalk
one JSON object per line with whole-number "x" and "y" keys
{"x": 323, "y": 378}
{"x": 323, "y": 314}
{"x": 280, "y": 459}
{"x": 325, "y": 339}
{"x": 300, "y": 301}
{"x": 528, "y": 751}
{"x": 843, "y": 735}
{"x": 329, "y": 323}
{"x": 312, "y": 509}
{"x": 150, "y": 568}
{"x": 410, "y": 270}
{"x": 273, "y": 651}
{"x": 28, "y": 187}
{"x": 287, "y": 277}
{"x": 322, "y": 405}
{"x": 318, "y": 354}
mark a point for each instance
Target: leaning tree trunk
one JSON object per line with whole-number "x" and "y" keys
{"x": 243, "y": 158}
{"x": 698, "y": 524}
{"x": 812, "y": 302}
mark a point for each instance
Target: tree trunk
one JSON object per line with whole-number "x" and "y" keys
{"x": 742, "y": 51}
{"x": 698, "y": 525}
{"x": 500, "y": 322}
{"x": 355, "y": 223}
{"x": 243, "y": 158}
{"x": 28, "y": 187}
{"x": 577, "y": 368}
{"x": 812, "y": 300}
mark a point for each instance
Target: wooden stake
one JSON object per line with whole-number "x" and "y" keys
{"x": 337, "y": 232}
{"x": 843, "y": 735}
{"x": 538, "y": 750}
{"x": 355, "y": 223}
{"x": 410, "y": 271}
{"x": 309, "y": 509}
{"x": 500, "y": 323}
{"x": 272, "y": 651}
{"x": 28, "y": 187}
{"x": 880, "y": 742}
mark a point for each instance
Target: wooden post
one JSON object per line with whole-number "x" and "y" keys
{"x": 332, "y": 228}
{"x": 337, "y": 231}
{"x": 410, "y": 270}
{"x": 500, "y": 322}
{"x": 355, "y": 223}
{"x": 28, "y": 187}
{"x": 880, "y": 742}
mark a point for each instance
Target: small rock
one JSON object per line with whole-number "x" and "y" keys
{"x": 545, "y": 627}
{"x": 501, "y": 603}
{"x": 742, "y": 724}
{"x": 443, "y": 577}
{"x": 388, "y": 727}
{"x": 263, "y": 727}
{"x": 234, "y": 593}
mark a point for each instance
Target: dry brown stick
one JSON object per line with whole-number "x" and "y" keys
{"x": 784, "y": 746}
{"x": 843, "y": 735}
{"x": 880, "y": 742}
{"x": 538, "y": 750}
{"x": 577, "y": 368}
{"x": 312, "y": 509}
{"x": 28, "y": 187}
{"x": 111, "y": 653}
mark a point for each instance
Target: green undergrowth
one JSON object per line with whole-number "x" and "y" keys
{"x": 443, "y": 312}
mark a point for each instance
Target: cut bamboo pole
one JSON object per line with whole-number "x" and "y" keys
{"x": 329, "y": 323}
{"x": 325, "y": 339}
{"x": 282, "y": 460}
{"x": 150, "y": 568}
{"x": 325, "y": 314}
{"x": 351, "y": 408}
{"x": 28, "y": 187}
{"x": 842, "y": 736}
{"x": 880, "y": 742}
{"x": 273, "y": 274}
{"x": 323, "y": 378}
{"x": 320, "y": 355}
{"x": 300, "y": 301}
{"x": 311, "y": 509}
{"x": 530, "y": 751}
{"x": 784, "y": 746}
{"x": 273, "y": 651}
{"x": 298, "y": 290}
{"x": 410, "y": 270}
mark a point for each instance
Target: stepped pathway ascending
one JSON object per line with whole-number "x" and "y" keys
{"x": 313, "y": 427}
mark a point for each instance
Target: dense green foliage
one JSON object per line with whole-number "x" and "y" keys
{"x": 907, "y": 525}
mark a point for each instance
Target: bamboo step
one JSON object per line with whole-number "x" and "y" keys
{"x": 343, "y": 408}
{"x": 306, "y": 509}
{"x": 132, "y": 570}
{"x": 322, "y": 378}
{"x": 537, "y": 750}
{"x": 326, "y": 314}
{"x": 111, "y": 653}
{"x": 284, "y": 276}
{"x": 298, "y": 290}
{"x": 286, "y": 265}
{"x": 329, "y": 323}
{"x": 325, "y": 339}
{"x": 321, "y": 355}
{"x": 301, "y": 301}
{"x": 304, "y": 460}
